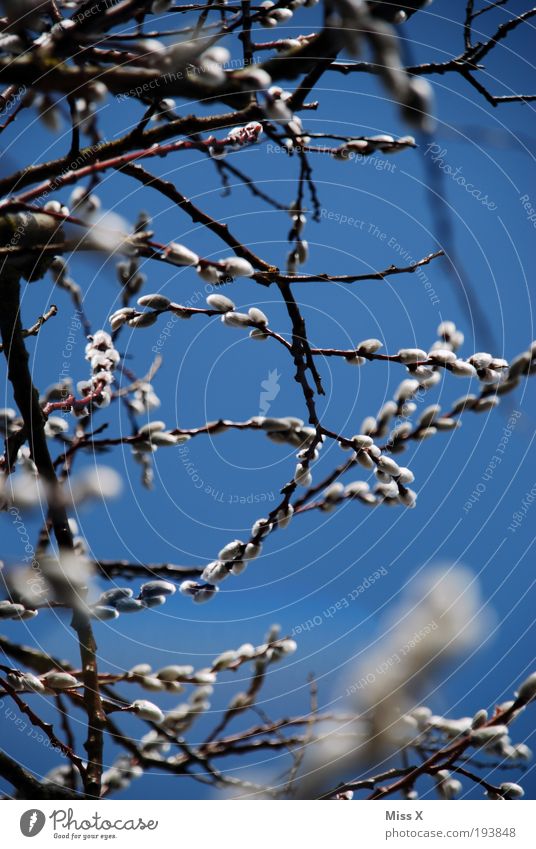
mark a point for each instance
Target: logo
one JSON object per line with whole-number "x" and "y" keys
{"x": 32, "y": 822}
{"x": 271, "y": 389}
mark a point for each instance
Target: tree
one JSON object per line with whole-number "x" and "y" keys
{"x": 79, "y": 56}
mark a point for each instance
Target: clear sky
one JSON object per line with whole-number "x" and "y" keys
{"x": 210, "y": 371}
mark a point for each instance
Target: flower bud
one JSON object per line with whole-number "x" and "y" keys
{"x": 369, "y": 346}
{"x": 236, "y": 319}
{"x": 225, "y": 659}
{"x": 174, "y": 673}
{"x": 511, "y": 791}
{"x": 103, "y": 612}
{"x": 232, "y": 551}
{"x": 158, "y": 588}
{"x": 146, "y": 319}
{"x": 156, "y": 302}
{"x": 480, "y": 718}
{"x": 488, "y": 734}
{"x": 220, "y": 303}
{"x": 129, "y": 605}
{"x": 527, "y": 691}
{"x": 462, "y": 369}
{"x": 412, "y": 355}
{"x": 257, "y": 316}
{"x": 180, "y": 255}
{"x": 59, "y": 680}
{"x": 238, "y": 267}
{"x": 147, "y": 710}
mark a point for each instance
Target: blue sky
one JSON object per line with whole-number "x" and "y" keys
{"x": 210, "y": 371}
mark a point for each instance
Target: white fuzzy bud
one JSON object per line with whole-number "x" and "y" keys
{"x": 236, "y": 319}
{"x": 356, "y": 489}
{"x": 32, "y": 683}
{"x": 156, "y": 302}
{"x": 162, "y": 440}
{"x": 146, "y": 319}
{"x": 361, "y": 440}
{"x": 151, "y": 428}
{"x": 523, "y": 752}
{"x": 261, "y": 528}
{"x": 181, "y": 255}
{"x": 369, "y": 346}
{"x": 451, "y": 788}
{"x": 157, "y": 588}
{"x": 129, "y": 605}
{"x": 462, "y": 369}
{"x": 232, "y": 551}
{"x": 334, "y": 493}
{"x": 224, "y": 660}
{"x": 406, "y": 475}
{"x": 287, "y": 646}
{"x": 258, "y": 316}
{"x": 204, "y": 676}
{"x": 480, "y": 360}
{"x": 209, "y": 273}
{"x": 482, "y": 405}
{"x": 252, "y": 551}
{"x": 285, "y": 515}
{"x": 412, "y": 355}
{"x": 174, "y": 673}
{"x": 220, "y": 303}
{"x": 302, "y": 475}
{"x": 408, "y": 497}
{"x": 59, "y": 680}
{"x": 104, "y": 612}
{"x": 488, "y": 734}
{"x": 407, "y": 389}
{"x": 252, "y": 79}
{"x": 147, "y": 710}
{"x": 258, "y": 334}
{"x": 239, "y": 701}
{"x": 364, "y": 460}
{"x": 511, "y": 791}
{"x": 479, "y": 719}
{"x": 388, "y": 465}
{"x": 442, "y": 355}
{"x": 215, "y": 572}
{"x": 238, "y": 267}
{"x": 527, "y": 690}
{"x": 238, "y": 567}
